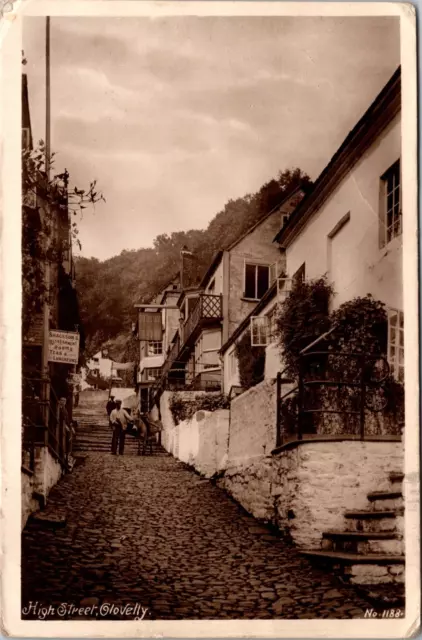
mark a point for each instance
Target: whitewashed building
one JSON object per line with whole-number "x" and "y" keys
{"x": 349, "y": 227}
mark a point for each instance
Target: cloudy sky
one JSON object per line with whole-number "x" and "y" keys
{"x": 174, "y": 116}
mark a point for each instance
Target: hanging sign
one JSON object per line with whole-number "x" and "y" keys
{"x": 63, "y": 346}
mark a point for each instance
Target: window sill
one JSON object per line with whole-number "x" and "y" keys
{"x": 250, "y": 299}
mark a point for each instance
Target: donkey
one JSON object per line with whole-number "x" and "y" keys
{"x": 147, "y": 431}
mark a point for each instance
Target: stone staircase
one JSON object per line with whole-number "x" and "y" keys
{"x": 93, "y": 432}
{"x": 369, "y": 552}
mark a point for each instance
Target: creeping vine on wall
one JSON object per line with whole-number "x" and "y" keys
{"x": 359, "y": 328}
{"x": 184, "y": 408}
{"x": 251, "y": 361}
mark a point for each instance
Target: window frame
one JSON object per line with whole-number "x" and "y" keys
{"x": 395, "y": 349}
{"x": 387, "y": 232}
{"x": 256, "y": 265}
{"x": 148, "y": 371}
{"x": 233, "y": 363}
{"x": 259, "y": 328}
{"x": 154, "y": 352}
{"x": 272, "y": 328}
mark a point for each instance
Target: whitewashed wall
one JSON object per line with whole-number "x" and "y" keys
{"x": 46, "y": 474}
{"x": 253, "y": 423}
{"x": 357, "y": 265}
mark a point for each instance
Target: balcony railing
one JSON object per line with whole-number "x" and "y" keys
{"x": 207, "y": 307}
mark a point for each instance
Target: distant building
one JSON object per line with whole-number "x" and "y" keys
{"x": 100, "y": 365}
{"x": 210, "y": 312}
{"x": 155, "y": 329}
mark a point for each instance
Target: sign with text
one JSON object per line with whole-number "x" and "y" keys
{"x": 63, "y": 346}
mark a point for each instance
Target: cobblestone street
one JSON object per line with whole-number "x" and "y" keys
{"x": 148, "y": 531}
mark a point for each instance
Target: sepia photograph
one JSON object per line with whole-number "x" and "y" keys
{"x": 214, "y": 393}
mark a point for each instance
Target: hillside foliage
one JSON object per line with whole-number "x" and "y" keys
{"x": 109, "y": 289}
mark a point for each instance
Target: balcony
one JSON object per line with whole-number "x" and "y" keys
{"x": 207, "y": 311}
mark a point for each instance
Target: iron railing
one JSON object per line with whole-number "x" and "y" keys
{"x": 326, "y": 402}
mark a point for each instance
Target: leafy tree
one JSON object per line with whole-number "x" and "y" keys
{"x": 109, "y": 289}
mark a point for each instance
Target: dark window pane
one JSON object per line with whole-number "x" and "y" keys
{"x": 250, "y": 291}
{"x": 191, "y": 303}
{"x": 263, "y": 280}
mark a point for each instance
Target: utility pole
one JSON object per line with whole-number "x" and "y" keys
{"x": 47, "y": 274}
{"x": 48, "y": 101}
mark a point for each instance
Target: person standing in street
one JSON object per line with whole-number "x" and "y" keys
{"x": 119, "y": 419}
{"x": 111, "y": 404}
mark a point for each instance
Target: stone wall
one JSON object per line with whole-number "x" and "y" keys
{"x": 253, "y": 423}
{"x": 201, "y": 441}
{"x": 306, "y": 489}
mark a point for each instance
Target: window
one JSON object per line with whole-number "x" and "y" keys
{"x": 211, "y": 286}
{"x": 257, "y": 280}
{"x": 299, "y": 276}
{"x": 284, "y": 218}
{"x": 152, "y": 373}
{"x": 272, "y": 324}
{"x": 396, "y": 343}
{"x": 232, "y": 363}
{"x": 206, "y": 351}
{"x": 26, "y": 139}
{"x": 259, "y": 331}
{"x": 391, "y": 203}
{"x": 284, "y": 286}
{"x": 155, "y": 348}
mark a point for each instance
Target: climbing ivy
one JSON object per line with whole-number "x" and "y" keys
{"x": 359, "y": 326}
{"x": 251, "y": 361}
{"x": 304, "y": 316}
{"x": 184, "y": 407}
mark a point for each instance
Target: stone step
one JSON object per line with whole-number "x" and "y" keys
{"x": 376, "y": 521}
{"x": 370, "y": 569}
{"x": 343, "y": 557}
{"x": 384, "y": 543}
{"x": 396, "y": 476}
{"x": 385, "y": 500}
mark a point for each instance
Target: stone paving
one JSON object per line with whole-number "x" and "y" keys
{"x": 148, "y": 531}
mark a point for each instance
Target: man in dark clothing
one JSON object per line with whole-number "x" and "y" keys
{"x": 110, "y": 405}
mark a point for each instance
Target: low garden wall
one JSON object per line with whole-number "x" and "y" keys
{"x": 306, "y": 488}
{"x": 200, "y": 441}
{"x": 253, "y": 423}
